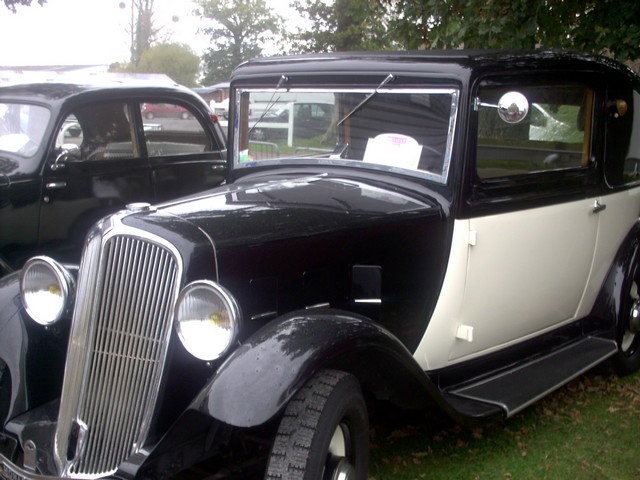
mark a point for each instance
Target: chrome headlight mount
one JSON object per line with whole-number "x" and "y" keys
{"x": 207, "y": 319}
{"x": 47, "y": 290}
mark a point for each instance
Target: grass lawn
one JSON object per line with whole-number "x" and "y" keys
{"x": 590, "y": 429}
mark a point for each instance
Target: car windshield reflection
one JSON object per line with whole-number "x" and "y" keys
{"x": 22, "y": 128}
{"x": 405, "y": 129}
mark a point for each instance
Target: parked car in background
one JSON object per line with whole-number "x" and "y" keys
{"x": 428, "y": 249}
{"x": 153, "y": 110}
{"x": 71, "y": 153}
{"x": 301, "y": 120}
{"x": 217, "y": 96}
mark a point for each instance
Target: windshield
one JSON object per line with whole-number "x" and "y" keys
{"x": 22, "y": 127}
{"x": 408, "y": 130}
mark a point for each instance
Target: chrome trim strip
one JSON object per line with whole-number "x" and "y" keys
{"x": 375, "y": 301}
{"x": 9, "y": 471}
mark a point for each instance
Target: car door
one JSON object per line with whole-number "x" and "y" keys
{"x": 533, "y": 213}
{"x": 186, "y": 151}
{"x": 102, "y": 170}
{"x": 22, "y": 136}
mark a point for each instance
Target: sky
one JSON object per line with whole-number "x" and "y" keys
{"x": 90, "y": 32}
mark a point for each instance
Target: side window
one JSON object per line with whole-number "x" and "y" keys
{"x": 554, "y": 135}
{"x": 70, "y": 132}
{"x": 171, "y": 129}
{"x": 632, "y": 160}
{"x": 101, "y": 131}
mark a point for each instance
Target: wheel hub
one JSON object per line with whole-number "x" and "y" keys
{"x": 634, "y": 317}
{"x": 343, "y": 470}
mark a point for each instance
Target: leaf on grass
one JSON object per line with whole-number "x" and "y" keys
{"x": 401, "y": 433}
{"x": 422, "y": 454}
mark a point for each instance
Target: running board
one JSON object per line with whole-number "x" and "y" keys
{"x": 515, "y": 389}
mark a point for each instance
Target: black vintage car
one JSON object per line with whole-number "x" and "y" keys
{"x": 464, "y": 234}
{"x": 71, "y": 153}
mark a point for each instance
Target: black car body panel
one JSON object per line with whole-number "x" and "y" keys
{"x": 444, "y": 242}
{"x": 282, "y": 356}
{"x": 317, "y": 232}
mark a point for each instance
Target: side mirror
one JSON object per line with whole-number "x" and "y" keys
{"x": 512, "y": 107}
{"x": 68, "y": 151}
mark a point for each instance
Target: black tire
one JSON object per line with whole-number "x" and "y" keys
{"x": 330, "y": 406}
{"x": 627, "y": 359}
{"x": 5, "y": 392}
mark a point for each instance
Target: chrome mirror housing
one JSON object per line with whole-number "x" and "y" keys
{"x": 513, "y": 107}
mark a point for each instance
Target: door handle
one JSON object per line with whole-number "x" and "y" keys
{"x": 55, "y": 185}
{"x": 598, "y": 207}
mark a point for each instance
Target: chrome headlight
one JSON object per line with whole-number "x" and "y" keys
{"x": 47, "y": 289}
{"x": 206, "y": 319}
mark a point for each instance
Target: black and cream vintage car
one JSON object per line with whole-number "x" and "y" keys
{"x": 464, "y": 233}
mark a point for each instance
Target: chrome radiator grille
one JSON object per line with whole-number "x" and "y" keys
{"x": 121, "y": 327}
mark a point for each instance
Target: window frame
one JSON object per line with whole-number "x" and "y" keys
{"x": 618, "y": 143}
{"x": 241, "y": 144}
{"x": 208, "y": 135}
{"x": 540, "y": 188}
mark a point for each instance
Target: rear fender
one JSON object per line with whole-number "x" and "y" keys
{"x": 263, "y": 374}
{"x": 611, "y": 299}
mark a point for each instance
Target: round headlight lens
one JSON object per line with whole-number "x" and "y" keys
{"x": 206, "y": 319}
{"x": 46, "y": 288}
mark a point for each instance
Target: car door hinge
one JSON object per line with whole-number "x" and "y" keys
{"x": 465, "y": 332}
{"x": 473, "y": 237}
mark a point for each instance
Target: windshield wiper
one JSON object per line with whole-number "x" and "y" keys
{"x": 391, "y": 77}
{"x": 270, "y": 104}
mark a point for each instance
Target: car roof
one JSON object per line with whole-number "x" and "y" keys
{"x": 58, "y": 92}
{"x": 460, "y": 64}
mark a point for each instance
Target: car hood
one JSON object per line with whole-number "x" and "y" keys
{"x": 288, "y": 242}
{"x": 273, "y": 210}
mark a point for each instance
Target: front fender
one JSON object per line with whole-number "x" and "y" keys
{"x": 262, "y": 375}
{"x": 34, "y": 356}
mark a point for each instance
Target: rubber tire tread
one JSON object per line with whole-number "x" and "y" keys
{"x": 300, "y": 446}
{"x": 5, "y": 392}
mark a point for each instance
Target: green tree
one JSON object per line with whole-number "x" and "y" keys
{"x": 342, "y": 25}
{"x": 12, "y": 4}
{"x": 239, "y": 30}
{"x": 599, "y": 26}
{"x": 175, "y": 60}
